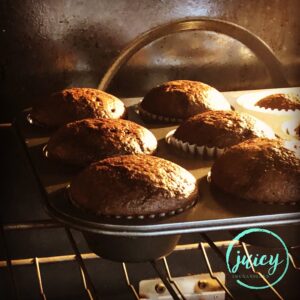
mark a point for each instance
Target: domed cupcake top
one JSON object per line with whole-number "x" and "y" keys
{"x": 134, "y": 185}
{"x": 221, "y": 129}
{"x": 280, "y": 101}
{"x": 181, "y": 99}
{"x": 89, "y": 140}
{"x": 261, "y": 170}
{"x": 75, "y": 104}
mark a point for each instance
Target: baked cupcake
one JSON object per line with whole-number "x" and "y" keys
{"x": 75, "y": 104}
{"x": 178, "y": 100}
{"x": 280, "y": 101}
{"x": 89, "y": 140}
{"x": 260, "y": 170}
{"x": 134, "y": 186}
{"x": 210, "y": 133}
{"x": 274, "y": 108}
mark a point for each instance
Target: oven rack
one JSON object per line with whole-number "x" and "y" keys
{"x": 161, "y": 267}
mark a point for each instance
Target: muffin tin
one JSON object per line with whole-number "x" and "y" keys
{"x": 214, "y": 210}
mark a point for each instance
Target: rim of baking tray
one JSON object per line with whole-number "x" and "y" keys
{"x": 61, "y": 209}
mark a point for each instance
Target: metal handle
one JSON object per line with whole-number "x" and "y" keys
{"x": 253, "y": 42}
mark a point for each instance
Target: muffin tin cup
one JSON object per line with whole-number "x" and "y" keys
{"x": 156, "y": 118}
{"x": 199, "y": 151}
{"x": 132, "y": 249}
{"x": 273, "y": 117}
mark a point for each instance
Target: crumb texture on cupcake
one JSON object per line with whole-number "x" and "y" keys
{"x": 221, "y": 129}
{"x": 75, "y": 104}
{"x": 260, "y": 170}
{"x": 89, "y": 140}
{"x": 280, "y": 101}
{"x": 181, "y": 99}
{"x": 133, "y": 185}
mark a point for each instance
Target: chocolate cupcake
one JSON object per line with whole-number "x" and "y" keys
{"x": 280, "y": 101}
{"x": 210, "y": 133}
{"x": 132, "y": 186}
{"x": 260, "y": 170}
{"x": 75, "y": 104}
{"x": 178, "y": 100}
{"x": 89, "y": 140}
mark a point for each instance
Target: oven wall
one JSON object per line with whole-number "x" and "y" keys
{"x": 47, "y": 45}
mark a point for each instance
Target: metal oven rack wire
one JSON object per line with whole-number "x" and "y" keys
{"x": 161, "y": 267}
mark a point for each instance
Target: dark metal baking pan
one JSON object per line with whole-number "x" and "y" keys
{"x": 210, "y": 213}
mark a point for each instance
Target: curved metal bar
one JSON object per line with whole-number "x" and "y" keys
{"x": 86, "y": 279}
{"x": 259, "y": 273}
{"x": 170, "y": 278}
{"x": 39, "y": 277}
{"x": 129, "y": 284}
{"x": 253, "y": 42}
{"x": 165, "y": 280}
{"x": 212, "y": 274}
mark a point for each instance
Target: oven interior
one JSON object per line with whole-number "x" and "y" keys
{"x": 53, "y": 45}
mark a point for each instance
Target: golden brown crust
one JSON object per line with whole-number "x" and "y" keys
{"x": 133, "y": 185}
{"x": 280, "y": 101}
{"x": 260, "y": 170}
{"x": 182, "y": 99}
{"x": 75, "y": 104}
{"x": 221, "y": 129}
{"x": 89, "y": 140}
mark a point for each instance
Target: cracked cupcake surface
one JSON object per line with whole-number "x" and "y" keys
{"x": 75, "y": 104}
{"x": 134, "y": 185}
{"x": 260, "y": 170}
{"x": 89, "y": 140}
{"x": 181, "y": 99}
